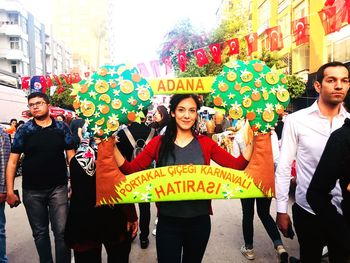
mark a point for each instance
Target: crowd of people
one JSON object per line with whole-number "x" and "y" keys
{"x": 314, "y": 138}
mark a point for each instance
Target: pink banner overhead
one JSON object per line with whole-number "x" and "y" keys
{"x": 168, "y": 65}
{"x": 155, "y": 68}
{"x": 143, "y": 69}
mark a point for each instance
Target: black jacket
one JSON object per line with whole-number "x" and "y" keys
{"x": 334, "y": 164}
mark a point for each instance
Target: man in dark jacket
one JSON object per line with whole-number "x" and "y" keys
{"x": 333, "y": 166}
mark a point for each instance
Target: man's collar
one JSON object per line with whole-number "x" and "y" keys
{"x": 53, "y": 123}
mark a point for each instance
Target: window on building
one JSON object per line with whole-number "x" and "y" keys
{"x": 284, "y": 23}
{"x": 55, "y": 63}
{"x": 14, "y": 66}
{"x": 25, "y": 69}
{"x": 25, "y": 47}
{"x": 24, "y": 24}
{"x": 14, "y": 42}
{"x": 301, "y": 58}
{"x": 264, "y": 15}
{"x": 13, "y": 18}
{"x": 341, "y": 50}
{"x": 300, "y": 10}
{"x": 37, "y": 35}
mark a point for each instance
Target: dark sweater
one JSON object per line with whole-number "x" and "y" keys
{"x": 333, "y": 165}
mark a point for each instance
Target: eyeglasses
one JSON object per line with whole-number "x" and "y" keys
{"x": 37, "y": 104}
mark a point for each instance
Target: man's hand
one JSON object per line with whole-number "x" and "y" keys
{"x": 2, "y": 197}
{"x": 132, "y": 226}
{"x": 283, "y": 222}
{"x": 11, "y": 198}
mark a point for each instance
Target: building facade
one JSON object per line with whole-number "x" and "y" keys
{"x": 27, "y": 47}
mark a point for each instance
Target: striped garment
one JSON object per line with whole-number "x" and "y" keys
{"x": 5, "y": 149}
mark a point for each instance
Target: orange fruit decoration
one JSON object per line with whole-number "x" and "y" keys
{"x": 257, "y": 93}
{"x": 112, "y": 96}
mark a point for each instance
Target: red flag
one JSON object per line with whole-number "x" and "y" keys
{"x": 329, "y": 2}
{"x": 300, "y": 30}
{"x": 69, "y": 78}
{"x": 201, "y": 57}
{"x": 66, "y": 78}
{"x": 347, "y": 7}
{"x": 216, "y": 52}
{"x": 182, "y": 59}
{"x": 43, "y": 84}
{"x": 168, "y": 65}
{"x": 252, "y": 42}
{"x": 25, "y": 82}
{"x": 275, "y": 38}
{"x": 48, "y": 81}
{"x": 143, "y": 69}
{"x": 234, "y": 46}
{"x": 155, "y": 68}
{"x": 329, "y": 20}
{"x": 76, "y": 78}
{"x": 57, "y": 79}
{"x": 60, "y": 89}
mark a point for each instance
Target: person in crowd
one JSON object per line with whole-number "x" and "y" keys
{"x": 19, "y": 124}
{"x": 89, "y": 227}
{"x": 183, "y": 227}
{"x": 333, "y": 166}
{"x": 218, "y": 119}
{"x": 5, "y": 148}
{"x": 304, "y": 137}
{"x": 140, "y": 133}
{"x": 76, "y": 127}
{"x": 12, "y": 129}
{"x": 61, "y": 117}
{"x": 226, "y": 123}
{"x": 43, "y": 141}
{"x": 346, "y": 102}
{"x": 160, "y": 119}
{"x": 263, "y": 209}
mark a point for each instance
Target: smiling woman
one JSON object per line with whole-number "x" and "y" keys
{"x": 181, "y": 145}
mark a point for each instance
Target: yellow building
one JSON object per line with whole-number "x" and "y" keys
{"x": 306, "y": 58}
{"x": 84, "y": 27}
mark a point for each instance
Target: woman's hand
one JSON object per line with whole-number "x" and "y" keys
{"x": 132, "y": 227}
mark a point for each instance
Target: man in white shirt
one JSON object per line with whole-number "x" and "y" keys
{"x": 304, "y": 137}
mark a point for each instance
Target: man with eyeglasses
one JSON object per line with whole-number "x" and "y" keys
{"x": 43, "y": 141}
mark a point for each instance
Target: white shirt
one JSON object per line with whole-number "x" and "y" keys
{"x": 304, "y": 137}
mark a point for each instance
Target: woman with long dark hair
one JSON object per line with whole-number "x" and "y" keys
{"x": 160, "y": 119}
{"x": 184, "y": 226}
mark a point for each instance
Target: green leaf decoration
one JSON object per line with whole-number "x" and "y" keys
{"x": 251, "y": 90}
{"x": 112, "y": 96}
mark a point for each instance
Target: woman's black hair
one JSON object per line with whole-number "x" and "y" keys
{"x": 163, "y": 111}
{"x": 62, "y": 116}
{"x": 168, "y": 140}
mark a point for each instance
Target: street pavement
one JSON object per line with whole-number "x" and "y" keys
{"x": 224, "y": 243}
